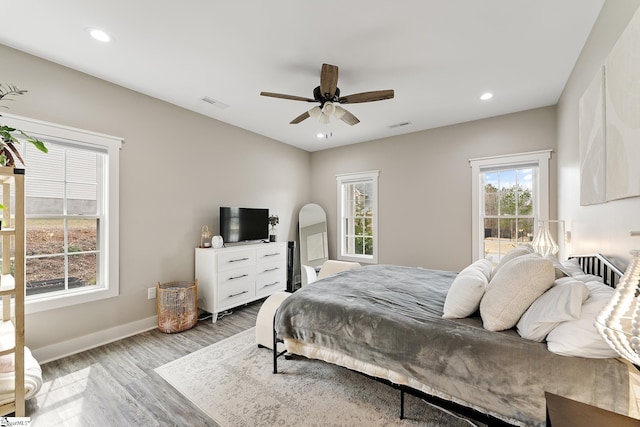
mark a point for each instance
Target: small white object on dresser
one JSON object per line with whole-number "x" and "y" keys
{"x": 233, "y": 276}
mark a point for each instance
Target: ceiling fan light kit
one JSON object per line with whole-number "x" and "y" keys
{"x": 328, "y": 95}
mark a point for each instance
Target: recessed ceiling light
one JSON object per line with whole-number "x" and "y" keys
{"x": 486, "y": 96}
{"x": 99, "y": 35}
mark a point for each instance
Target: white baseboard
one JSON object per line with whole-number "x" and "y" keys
{"x": 96, "y": 339}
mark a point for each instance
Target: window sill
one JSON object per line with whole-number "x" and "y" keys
{"x": 362, "y": 259}
{"x": 52, "y": 302}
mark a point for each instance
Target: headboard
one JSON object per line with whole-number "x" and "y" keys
{"x": 599, "y": 265}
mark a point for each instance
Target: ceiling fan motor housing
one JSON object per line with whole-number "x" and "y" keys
{"x": 318, "y": 96}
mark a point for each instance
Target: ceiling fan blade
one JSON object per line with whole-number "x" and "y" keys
{"x": 300, "y": 118}
{"x": 283, "y": 96}
{"x": 328, "y": 80}
{"x": 376, "y": 95}
{"x": 349, "y": 118}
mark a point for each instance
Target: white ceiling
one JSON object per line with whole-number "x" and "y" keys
{"x": 438, "y": 55}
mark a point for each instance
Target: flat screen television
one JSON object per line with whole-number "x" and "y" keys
{"x": 243, "y": 224}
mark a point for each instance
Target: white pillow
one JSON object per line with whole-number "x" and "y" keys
{"x": 465, "y": 293}
{"x": 579, "y": 337}
{"x": 562, "y": 302}
{"x": 556, "y": 264}
{"x": 571, "y": 267}
{"x": 519, "y": 250}
{"x": 483, "y": 265}
{"x": 513, "y": 289}
{"x": 585, "y": 278}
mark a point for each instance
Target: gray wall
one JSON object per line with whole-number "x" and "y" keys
{"x": 605, "y": 227}
{"x": 425, "y": 183}
{"x": 176, "y": 168}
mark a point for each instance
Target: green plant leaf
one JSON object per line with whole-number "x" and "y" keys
{"x": 15, "y": 151}
{"x": 36, "y": 142}
{"x": 6, "y": 133}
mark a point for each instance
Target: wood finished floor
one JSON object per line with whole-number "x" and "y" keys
{"x": 116, "y": 384}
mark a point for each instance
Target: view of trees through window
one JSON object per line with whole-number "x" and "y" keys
{"x": 359, "y": 220}
{"x": 508, "y": 210}
{"x": 63, "y": 218}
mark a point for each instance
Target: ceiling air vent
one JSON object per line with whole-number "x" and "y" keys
{"x": 215, "y": 102}
{"x": 397, "y": 125}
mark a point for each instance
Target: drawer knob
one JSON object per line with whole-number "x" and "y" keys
{"x": 238, "y": 277}
{"x": 239, "y": 259}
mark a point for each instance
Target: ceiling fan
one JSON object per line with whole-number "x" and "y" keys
{"x": 328, "y": 95}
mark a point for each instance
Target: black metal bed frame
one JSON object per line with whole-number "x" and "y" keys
{"x": 600, "y": 265}
{"x": 596, "y": 264}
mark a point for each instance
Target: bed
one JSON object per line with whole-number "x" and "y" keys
{"x": 387, "y": 322}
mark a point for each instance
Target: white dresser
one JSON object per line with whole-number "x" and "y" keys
{"x": 229, "y": 277}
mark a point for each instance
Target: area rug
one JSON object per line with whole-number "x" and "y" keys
{"x": 232, "y": 382}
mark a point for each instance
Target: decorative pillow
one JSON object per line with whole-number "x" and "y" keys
{"x": 465, "y": 293}
{"x": 562, "y": 302}
{"x": 580, "y": 337}
{"x": 520, "y": 250}
{"x": 513, "y": 289}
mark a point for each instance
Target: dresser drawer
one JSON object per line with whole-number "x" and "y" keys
{"x": 236, "y": 275}
{"x": 271, "y": 252}
{"x": 236, "y": 259}
{"x": 235, "y": 292}
{"x": 270, "y": 277}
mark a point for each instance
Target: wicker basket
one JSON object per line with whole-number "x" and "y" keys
{"x": 177, "y": 306}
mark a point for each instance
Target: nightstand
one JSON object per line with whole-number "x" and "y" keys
{"x": 564, "y": 412}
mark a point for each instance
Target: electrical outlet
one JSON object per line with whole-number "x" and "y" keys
{"x": 151, "y": 293}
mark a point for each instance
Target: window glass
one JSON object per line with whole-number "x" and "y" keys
{"x": 509, "y": 207}
{"x": 357, "y": 207}
{"x": 62, "y": 219}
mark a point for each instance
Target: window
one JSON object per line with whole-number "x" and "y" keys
{"x": 510, "y": 195}
{"x": 358, "y": 217}
{"x": 71, "y": 212}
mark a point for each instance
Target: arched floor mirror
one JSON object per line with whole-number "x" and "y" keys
{"x": 312, "y": 223}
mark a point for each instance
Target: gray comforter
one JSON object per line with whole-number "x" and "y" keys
{"x": 391, "y": 316}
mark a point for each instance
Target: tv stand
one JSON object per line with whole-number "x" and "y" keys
{"x": 232, "y": 276}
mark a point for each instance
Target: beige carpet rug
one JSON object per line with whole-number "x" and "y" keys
{"x": 232, "y": 382}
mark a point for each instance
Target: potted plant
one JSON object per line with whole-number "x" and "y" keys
{"x": 273, "y": 231}
{"x": 8, "y": 150}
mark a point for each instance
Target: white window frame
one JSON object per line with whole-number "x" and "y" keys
{"x": 540, "y": 159}
{"x": 350, "y": 178}
{"x": 109, "y": 258}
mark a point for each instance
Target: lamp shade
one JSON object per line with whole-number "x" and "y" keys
{"x": 339, "y": 112}
{"x": 543, "y": 242}
{"x": 324, "y": 118}
{"x": 328, "y": 108}
{"x": 618, "y": 322}
{"x": 315, "y": 112}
